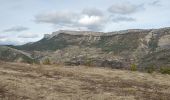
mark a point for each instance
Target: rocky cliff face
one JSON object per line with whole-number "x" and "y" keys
{"x": 114, "y": 49}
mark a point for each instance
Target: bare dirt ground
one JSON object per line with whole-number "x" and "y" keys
{"x": 37, "y": 82}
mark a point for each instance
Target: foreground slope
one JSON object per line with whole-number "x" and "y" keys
{"x": 36, "y": 82}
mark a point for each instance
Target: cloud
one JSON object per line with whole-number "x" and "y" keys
{"x": 93, "y": 19}
{"x": 16, "y": 29}
{"x": 155, "y": 3}
{"x": 123, "y": 19}
{"x": 90, "y": 19}
{"x": 91, "y": 22}
{"x": 124, "y": 8}
{"x": 92, "y": 12}
{"x": 29, "y": 35}
{"x": 56, "y": 18}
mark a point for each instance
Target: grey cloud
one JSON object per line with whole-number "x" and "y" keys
{"x": 155, "y": 3}
{"x": 56, "y": 18}
{"x": 123, "y": 19}
{"x": 124, "y": 8}
{"x": 90, "y": 19}
{"x": 16, "y": 29}
{"x": 92, "y": 12}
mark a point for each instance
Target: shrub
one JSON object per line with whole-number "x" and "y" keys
{"x": 47, "y": 61}
{"x": 165, "y": 70}
{"x": 88, "y": 62}
{"x": 150, "y": 69}
{"x": 133, "y": 67}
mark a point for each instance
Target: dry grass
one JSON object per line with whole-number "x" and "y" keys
{"x": 36, "y": 82}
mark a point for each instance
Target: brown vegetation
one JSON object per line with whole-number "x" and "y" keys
{"x": 52, "y": 82}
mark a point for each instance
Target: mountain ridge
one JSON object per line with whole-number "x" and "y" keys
{"x": 100, "y": 33}
{"x": 117, "y": 49}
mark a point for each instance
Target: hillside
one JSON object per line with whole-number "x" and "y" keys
{"x": 36, "y": 82}
{"x": 13, "y": 55}
{"x": 117, "y": 49}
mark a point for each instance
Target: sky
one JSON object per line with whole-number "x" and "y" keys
{"x": 23, "y": 21}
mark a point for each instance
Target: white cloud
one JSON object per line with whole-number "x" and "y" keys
{"x": 90, "y": 20}
{"x": 93, "y": 23}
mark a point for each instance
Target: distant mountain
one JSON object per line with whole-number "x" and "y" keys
{"x": 113, "y": 49}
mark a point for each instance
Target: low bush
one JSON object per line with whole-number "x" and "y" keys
{"x": 150, "y": 69}
{"x": 133, "y": 67}
{"x": 47, "y": 61}
{"x": 165, "y": 70}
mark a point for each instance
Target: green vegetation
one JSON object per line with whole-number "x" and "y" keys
{"x": 88, "y": 62}
{"x": 117, "y": 44}
{"x": 165, "y": 70}
{"x": 150, "y": 69}
{"x": 47, "y": 61}
{"x": 133, "y": 67}
{"x": 10, "y": 55}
